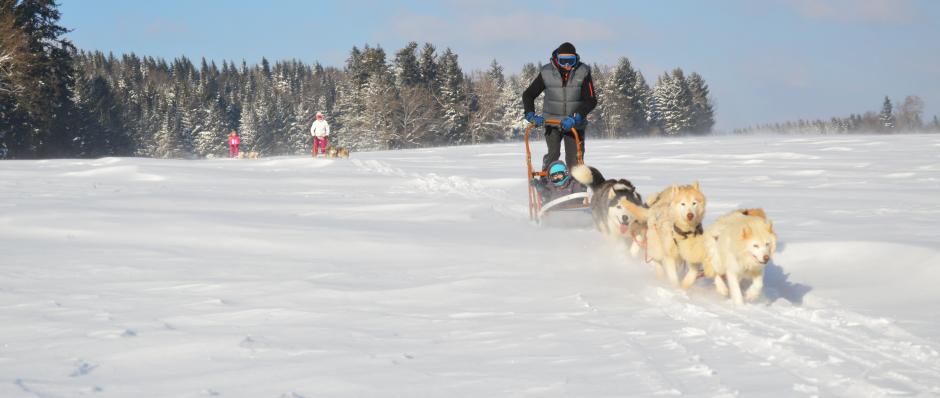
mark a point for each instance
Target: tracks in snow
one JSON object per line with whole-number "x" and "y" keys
{"x": 807, "y": 351}
{"x": 828, "y": 350}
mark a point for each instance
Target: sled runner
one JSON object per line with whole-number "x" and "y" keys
{"x": 570, "y": 209}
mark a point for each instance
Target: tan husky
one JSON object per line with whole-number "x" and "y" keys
{"x": 331, "y": 152}
{"x": 739, "y": 245}
{"x": 674, "y": 228}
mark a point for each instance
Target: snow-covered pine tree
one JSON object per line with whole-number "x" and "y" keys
{"x": 12, "y": 44}
{"x": 513, "y": 121}
{"x": 298, "y": 129}
{"x": 495, "y": 73}
{"x": 616, "y": 105}
{"x": 354, "y": 69}
{"x": 511, "y": 100}
{"x": 347, "y": 115}
{"x": 100, "y": 131}
{"x": 601, "y": 116}
{"x": 626, "y": 115}
{"x": 210, "y": 140}
{"x": 248, "y": 128}
{"x": 190, "y": 117}
{"x": 428, "y": 66}
{"x": 528, "y": 73}
{"x": 452, "y": 99}
{"x": 886, "y": 117}
{"x": 265, "y": 113}
{"x": 374, "y": 62}
{"x": 38, "y": 114}
{"x": 207, "y": 143}
{"x": 379, "y": 97}
{"x": 283, "y": 121}
{"x": 703, "y": 113}
{"x": 170, "y": 140}
{"x": 644, "y": 100}
{"x": 406, "y": 69}
{"x": 674, "y": 103}
{"x": 276, "y": 102}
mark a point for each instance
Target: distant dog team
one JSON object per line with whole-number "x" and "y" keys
{"x": 331, "y": 152}
{"x": 337, "y": 152}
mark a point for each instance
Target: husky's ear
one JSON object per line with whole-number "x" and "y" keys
{"x": 695, "y": 185}
{"x": 675, "y": 189}
{"x": 746, "y": 232}
{"x": 770, "y": 227}
{"x": 611, "y": 194}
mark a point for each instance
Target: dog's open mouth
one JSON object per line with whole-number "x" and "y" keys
{"x": 624, "y": 227}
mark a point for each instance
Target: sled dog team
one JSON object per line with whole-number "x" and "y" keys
{"x": 337, "y": 152}
{"x": 330, "y": 152}
{"x": 736, "y": 247}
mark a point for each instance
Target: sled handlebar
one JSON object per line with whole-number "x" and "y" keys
{"x": 554, "y": 122}
{"x": 535, "y": 202}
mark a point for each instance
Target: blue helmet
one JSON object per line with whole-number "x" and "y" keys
{"x": 558, "y": 173}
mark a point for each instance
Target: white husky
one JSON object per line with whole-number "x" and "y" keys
{"x": 739, "y": 244}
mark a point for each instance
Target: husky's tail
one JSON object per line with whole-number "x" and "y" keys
{"x": 639, "y": 212}
{"x": 588, "y": 176}
{"x": 757, "y": 212}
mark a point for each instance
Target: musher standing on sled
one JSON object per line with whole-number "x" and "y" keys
{"x": 569, "y": 97}
{"x": 233, "y": 142}
{"x": 320, "y": 132}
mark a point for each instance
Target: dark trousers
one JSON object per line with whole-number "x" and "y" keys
{"x": 553, "y": 137}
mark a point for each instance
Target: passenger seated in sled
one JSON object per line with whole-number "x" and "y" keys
{"x": 558, "y": 184}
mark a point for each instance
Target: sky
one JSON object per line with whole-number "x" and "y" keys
{"x": 767, "y": 61}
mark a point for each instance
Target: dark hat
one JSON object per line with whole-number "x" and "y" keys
{"x": 566, "y": 48}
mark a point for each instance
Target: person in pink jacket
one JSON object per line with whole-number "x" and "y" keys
{"x": 233, "y": 142}
{"x": 320, "y": 130}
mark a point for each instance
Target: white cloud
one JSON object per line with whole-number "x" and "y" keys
{"x": 866, "y": 11}
{"x": 513, "y": 35}
{"x": 482, "y": 30}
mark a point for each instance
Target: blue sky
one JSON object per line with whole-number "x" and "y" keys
{"x": 765, "y": 61}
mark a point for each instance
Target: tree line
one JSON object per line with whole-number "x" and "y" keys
{"x": 908, "y": 118}
{"x": 58, "y": 101}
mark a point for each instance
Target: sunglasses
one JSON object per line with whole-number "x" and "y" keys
{"x": 558, "y": 177}
{"x": 567, "y": 60}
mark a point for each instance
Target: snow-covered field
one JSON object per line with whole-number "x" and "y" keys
{"x": 418, "y": 274}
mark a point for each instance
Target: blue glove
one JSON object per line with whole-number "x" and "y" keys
{"x": 531, "y": 117}
{"x": 569, "y": 122}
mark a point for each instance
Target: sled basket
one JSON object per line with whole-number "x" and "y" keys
{"x": 577, "y": 201}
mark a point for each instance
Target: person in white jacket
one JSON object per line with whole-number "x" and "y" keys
{"x": 320, "y": 131}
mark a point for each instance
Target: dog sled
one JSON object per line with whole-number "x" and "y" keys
{"x": 569, "y": 210}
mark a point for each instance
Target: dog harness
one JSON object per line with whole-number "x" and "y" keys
{"x": 685, "y": 234}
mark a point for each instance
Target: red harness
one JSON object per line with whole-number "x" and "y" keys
{"x": 646, "y": 252}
